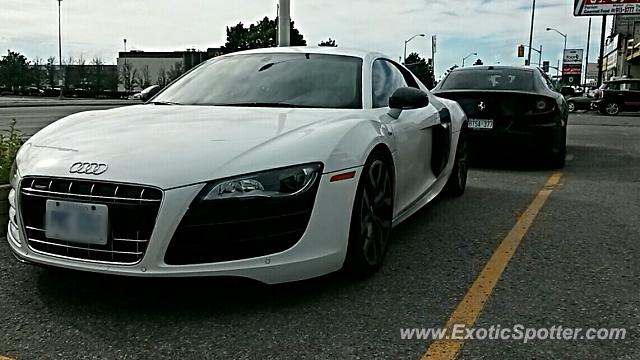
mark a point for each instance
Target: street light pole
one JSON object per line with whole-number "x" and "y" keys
{"x": 533, "y": 17}
{"x": 60, "y": 49}
{"x": 468, "y": 56}
{"x": 404, "y": 60}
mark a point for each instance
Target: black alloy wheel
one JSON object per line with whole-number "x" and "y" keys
{"x": 371, "y": 218}
{"x": 457, "y": 183}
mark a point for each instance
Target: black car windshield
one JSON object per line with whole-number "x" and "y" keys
{"x": 496, "y": 79}
{"x": 272, "y": 80}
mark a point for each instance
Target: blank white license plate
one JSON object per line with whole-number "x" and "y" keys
{"x": 480, "y": 124}
{"x": 77, "y": 222}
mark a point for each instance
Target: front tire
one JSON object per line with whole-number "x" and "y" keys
{"x": 457, "y": 183}
{"x": 571, "y": 106}
{"x": 370, "y": 218}
{"x": 612, "y": 108}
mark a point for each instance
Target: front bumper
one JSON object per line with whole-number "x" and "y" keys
{"x": 321, "y": 250}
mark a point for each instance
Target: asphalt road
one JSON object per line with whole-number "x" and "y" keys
{"x": 31, "y": 119}
{"x": 577, "y": 266}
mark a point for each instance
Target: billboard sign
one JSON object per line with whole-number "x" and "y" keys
{"x": 573, "y": 57}
{"x": 606, "y": 7}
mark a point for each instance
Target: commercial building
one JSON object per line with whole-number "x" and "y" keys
{"x": 622, "y": 51}
{"x": 139, "y": 69}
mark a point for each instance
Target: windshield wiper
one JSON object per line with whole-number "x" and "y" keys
{"x": 164, "y": 103}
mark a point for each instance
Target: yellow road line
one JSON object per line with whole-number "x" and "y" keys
{"x": 473, "y": 303}
{"x": 5, "y": 358}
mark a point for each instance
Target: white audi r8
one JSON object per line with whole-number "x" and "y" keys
{"x": 276, "y": 164}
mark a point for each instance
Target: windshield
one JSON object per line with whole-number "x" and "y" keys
{"x": 498, "y": 79}
{"x": 277, "y": 80}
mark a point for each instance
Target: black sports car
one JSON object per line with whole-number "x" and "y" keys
{"x": 575, "y": 103}
{"x": 515, "y": 107}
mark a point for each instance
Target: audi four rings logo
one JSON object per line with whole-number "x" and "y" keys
{"x": 88, "y": 168}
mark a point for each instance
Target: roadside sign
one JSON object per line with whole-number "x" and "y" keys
{"x": 521, "y": 51}
{"x": 573, "y": 57}
{"x": 545, "y": 66}
{"x": 605, "y": 7}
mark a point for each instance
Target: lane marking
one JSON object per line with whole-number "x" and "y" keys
{"x": 5, "y": 358}
{"x": 471, "y": 306}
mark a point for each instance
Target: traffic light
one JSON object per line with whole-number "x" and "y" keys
{"x": 521, "y": 51}
{"x": 545, "y": 66}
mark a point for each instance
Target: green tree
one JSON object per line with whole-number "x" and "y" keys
{"x": 96, "y": 75}
{"x": 330, "y": 43}
{"x": 262, "y": 34}
{"x": 478, "y": 63}
{"x": 14, "y": 70}
{"x": 37, "y": 72}
{"x": 422, "y": 69}
{"x": 144, "y": 77}
{"x": 128, "y": 75}
{"x": 175, "y": 72}
{"x": 162, "y": 77}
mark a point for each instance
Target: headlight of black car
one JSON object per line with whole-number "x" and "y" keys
{"x": 278, "y": 183}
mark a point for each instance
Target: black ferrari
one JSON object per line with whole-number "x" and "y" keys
{"x": 512, "y": 107}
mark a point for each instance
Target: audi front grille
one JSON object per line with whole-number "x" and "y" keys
{"x": 235, "y": 229}
{"x": 132, "y": 215}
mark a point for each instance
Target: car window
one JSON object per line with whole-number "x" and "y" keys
{"x": 612, "y": 86}
{"x": 634, "y": 86}
{"x": 625, "y": 86}
{"x": 489, "y": 79}
{"x": 386, "y": 78}
{"x": 274, "y": 79}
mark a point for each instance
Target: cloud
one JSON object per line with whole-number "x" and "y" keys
{"x": 493, "y": 28}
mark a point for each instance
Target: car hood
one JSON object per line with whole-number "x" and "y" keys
{"x": 173, "y": 146}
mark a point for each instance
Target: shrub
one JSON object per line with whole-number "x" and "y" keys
{"x": 10, "y": 142}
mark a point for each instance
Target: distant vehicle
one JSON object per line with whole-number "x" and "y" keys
{"x": 616, "y": 96}
{"x": 511, "y": 106}
{"x": 135, "y": 96}
{"x": 575, "y": 103}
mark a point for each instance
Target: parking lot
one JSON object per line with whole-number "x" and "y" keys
{"x": 576, "y": 266}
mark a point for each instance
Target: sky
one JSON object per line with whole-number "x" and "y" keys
{"x": 491, "y": 28}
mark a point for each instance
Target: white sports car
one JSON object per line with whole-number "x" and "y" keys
{"x": 276, "y": 164}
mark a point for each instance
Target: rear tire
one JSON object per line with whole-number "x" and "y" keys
{"x": 571, "y": 106}
{"x": 457, "y": 183}
{"x": 557, "y": 160}
{"x": 370, "y": 218}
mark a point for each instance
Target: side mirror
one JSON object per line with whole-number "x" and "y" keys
{"x": 149, "y": 92}
{"x": 407, "y": 98}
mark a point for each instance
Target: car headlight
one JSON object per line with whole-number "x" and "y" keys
{"x": 273, "y": 184}
{"x": 14, "y": 177}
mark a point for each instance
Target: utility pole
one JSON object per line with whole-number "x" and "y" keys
{"x": 540, "y": 58}
{"x": 284, "y": 23}
{"x": 60, "y": 51}
{"x": 586, "y": 65}
{"x": 601, "y": 57}
{"x": 433, "y": 55}
{"x": 533, "y": 16}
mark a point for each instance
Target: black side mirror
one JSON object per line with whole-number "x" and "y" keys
{"x": 149, "y": 92}
{"x": 407, "y": 98}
